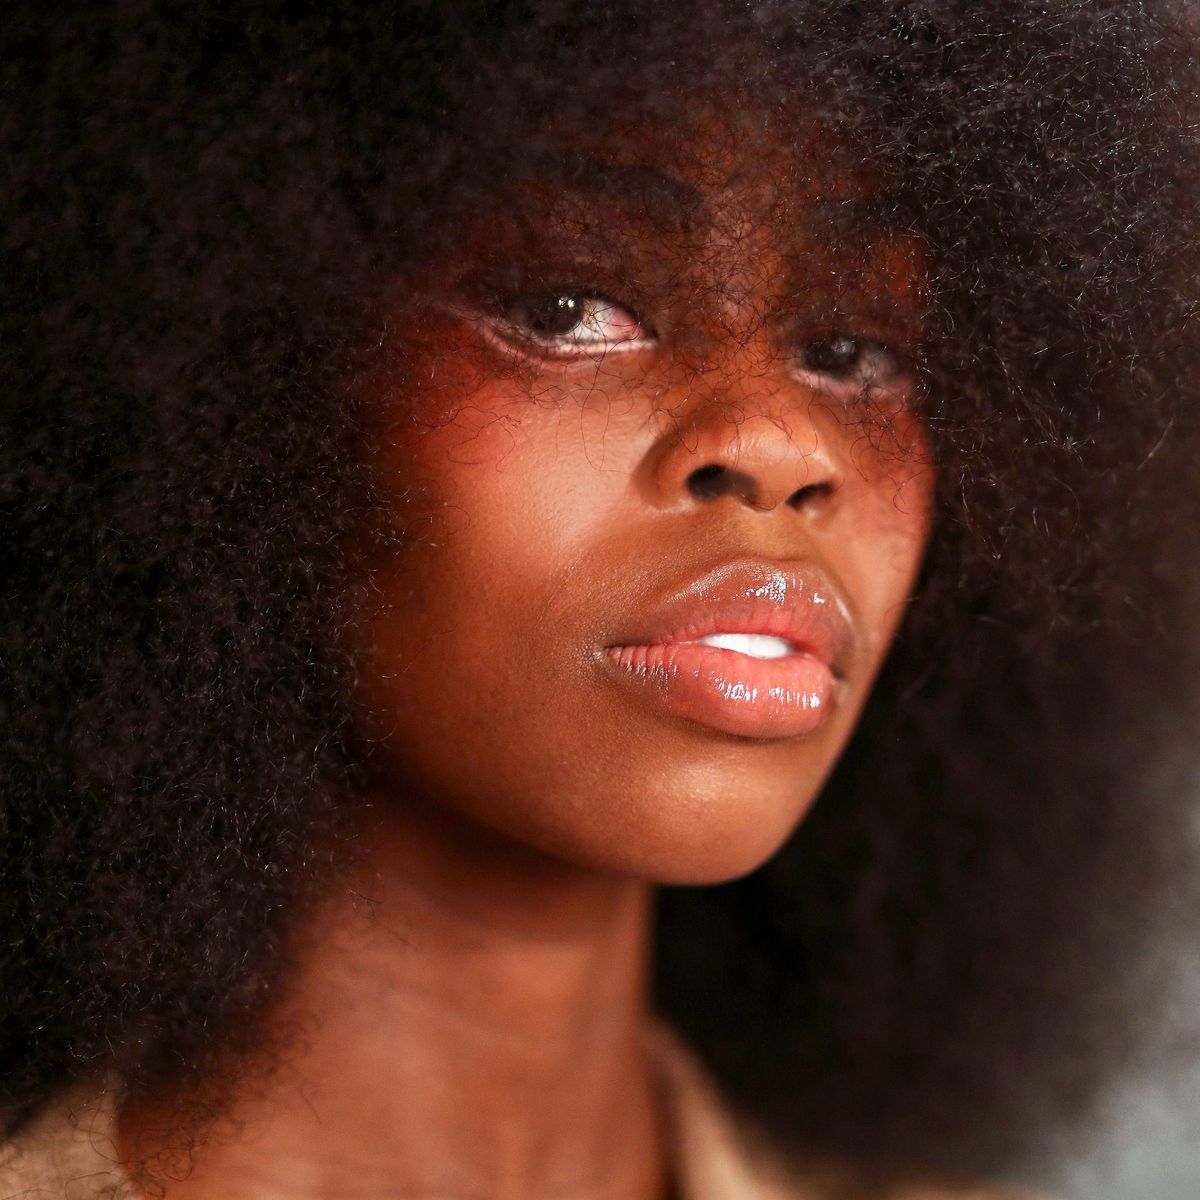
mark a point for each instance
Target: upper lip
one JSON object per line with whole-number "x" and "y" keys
{"x": 794, "y": 601}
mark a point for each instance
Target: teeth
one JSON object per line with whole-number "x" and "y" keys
{"x": 756, "y": 645}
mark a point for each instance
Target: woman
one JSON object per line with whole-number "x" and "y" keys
{"x": 467, "y": 466}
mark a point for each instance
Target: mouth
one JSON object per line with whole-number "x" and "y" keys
{"x": 754, "y": 650}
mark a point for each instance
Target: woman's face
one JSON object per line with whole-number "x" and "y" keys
{"x": 650, "y": 440}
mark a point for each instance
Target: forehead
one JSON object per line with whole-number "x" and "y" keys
{"x": 703, "y": 165}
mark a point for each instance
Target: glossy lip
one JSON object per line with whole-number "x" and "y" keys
{"x": 661, "y": 660}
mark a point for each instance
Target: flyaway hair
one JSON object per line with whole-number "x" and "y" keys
{"x": 212, "y": 215}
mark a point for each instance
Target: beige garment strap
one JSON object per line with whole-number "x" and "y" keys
{"x": 712, "y": 1159}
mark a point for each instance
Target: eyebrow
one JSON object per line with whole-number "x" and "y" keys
{"x": 654, "y": 194}
{"x": 678, "y": 207}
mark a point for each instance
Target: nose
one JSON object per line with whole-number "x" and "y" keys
{"x": 766, "y": 450}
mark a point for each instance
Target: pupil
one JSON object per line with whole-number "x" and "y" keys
{"x": 552, "y": 316}
{"x": 833, "y": 354}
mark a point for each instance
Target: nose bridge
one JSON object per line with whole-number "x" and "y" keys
{"x": 746, "y": 428}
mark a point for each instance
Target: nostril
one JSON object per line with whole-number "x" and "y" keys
{"x": 708, "y": 482}
{"x": 713, "y": 481}
{"x": 804, "y": 495}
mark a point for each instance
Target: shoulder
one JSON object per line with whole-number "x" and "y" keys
{"x": 715, "y": 1159}
{"x": 67, "y": 1153}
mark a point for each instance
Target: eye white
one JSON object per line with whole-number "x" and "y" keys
{"x": 600, "y": 323}
{"x": 850, "y": 366}
{"x": 563, "y": 325}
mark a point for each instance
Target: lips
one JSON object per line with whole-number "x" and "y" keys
{"x": 751, "y": 649}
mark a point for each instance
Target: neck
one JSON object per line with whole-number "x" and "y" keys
{"x": 471, "y": 1018}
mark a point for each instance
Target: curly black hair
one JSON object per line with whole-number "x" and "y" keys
{"x": 210, "y": 212}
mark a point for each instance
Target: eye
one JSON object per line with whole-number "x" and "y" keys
{"x": 564, "y": 324}
{"x": 852, "y": 367}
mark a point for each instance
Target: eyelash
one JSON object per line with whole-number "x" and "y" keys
{"x": 876, "y": 368}
{"x": 510, "y": 322}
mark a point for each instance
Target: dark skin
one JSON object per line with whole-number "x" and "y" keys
{"x": 475, "y": 1027}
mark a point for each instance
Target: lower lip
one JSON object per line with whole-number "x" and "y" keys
{"x": 731, "y": 692}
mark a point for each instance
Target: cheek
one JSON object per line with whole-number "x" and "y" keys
{"x": 475, "y": 648}
{"x": 520, "y": 454}
{"x": 479, "y": 683}
{"x": 479, "y": 647}
{"x": 884, "y": 550}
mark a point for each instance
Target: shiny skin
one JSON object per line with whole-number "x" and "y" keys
{"x": 543, "y": 500}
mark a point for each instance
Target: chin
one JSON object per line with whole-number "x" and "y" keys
{"x": 669, "y": 803}
{"x": 684, "y": 826}
{"x": 719, "y": 808}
